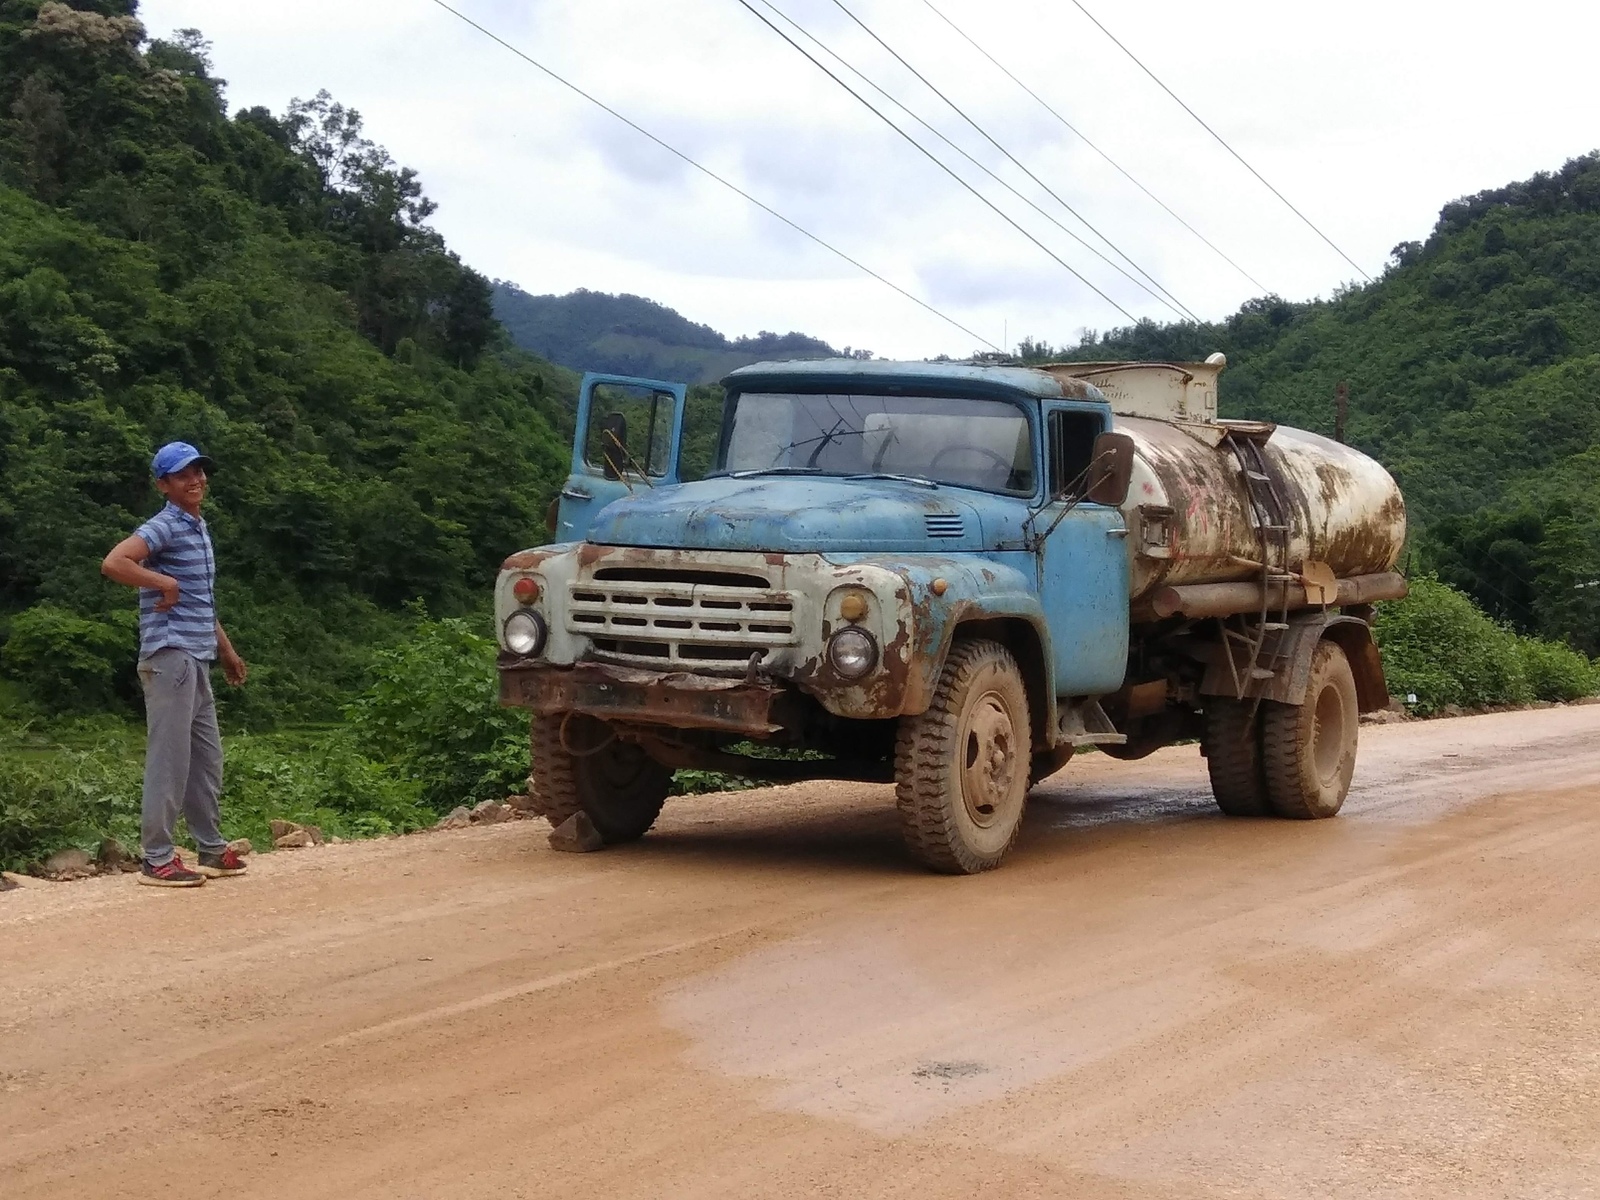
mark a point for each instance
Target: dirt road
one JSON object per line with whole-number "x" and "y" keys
{"x": 764, "y": 999}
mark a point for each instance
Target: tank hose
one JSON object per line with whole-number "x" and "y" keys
{"x": 561, "y": 736}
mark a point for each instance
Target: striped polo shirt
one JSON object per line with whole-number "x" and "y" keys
{"x": 179, "y": 547}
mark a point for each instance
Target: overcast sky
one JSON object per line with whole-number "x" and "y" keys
{"x": 1367, "y": 115}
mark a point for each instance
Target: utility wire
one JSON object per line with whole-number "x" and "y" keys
{"x": 1220, "y": 140}
{"x": 843, "y": 62}
{"x": 1085, "y": 139}
{"x": 709, "y": 173}
{"x": 934, "y": 159}
{"x": 839, "y": 4}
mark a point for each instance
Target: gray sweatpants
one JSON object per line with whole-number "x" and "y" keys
{"x": 183, "y": 754}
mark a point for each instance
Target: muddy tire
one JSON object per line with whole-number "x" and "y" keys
{"x": 1232, "y": 746}
{"x": 1308, "y": 751}
{"x": 621, "y": 787}
{"x": 961, "y": 768}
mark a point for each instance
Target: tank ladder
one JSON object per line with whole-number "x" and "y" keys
{"x": 1270, "y": 516}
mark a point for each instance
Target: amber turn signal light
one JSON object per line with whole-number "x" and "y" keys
{"x": 526, "y": 590}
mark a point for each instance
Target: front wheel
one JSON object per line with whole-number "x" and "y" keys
{"x": 961, "y": 768}
{"x": 616, "y": 783}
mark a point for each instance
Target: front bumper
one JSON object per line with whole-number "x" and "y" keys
{"x": 676, "y": 699}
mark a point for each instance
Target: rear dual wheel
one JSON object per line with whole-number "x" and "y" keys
{"x": 1288, "y": 760}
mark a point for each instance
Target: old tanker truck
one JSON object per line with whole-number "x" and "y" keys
{"x": 950, "y": 577}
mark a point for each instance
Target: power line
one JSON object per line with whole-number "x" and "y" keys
{"x": 710, "y": 174}
{"x": 816, "y": 62}
{"x": 839, "y": 4}
{"x": 1085, "y": 139}
{"x": 843, "y": 62}
{"x": 1220, "y": 140}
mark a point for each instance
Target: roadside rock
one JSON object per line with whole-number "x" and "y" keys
{"x": 113, "y": 856}
{"x": 576, "y": 835}
{"x": 7, "y": 883}
{"x": 295, "y": 839}
{"x": 1585, "y": 700}
{"x": 10, "y": 880}
{"x": 1385, "y": 716}
{"x": 282, "y": 828}
{"x": 521, "y": 804}
{"x": 315, "y": 832}
{"x": 491, "y": 812}
{"x": 68, "y": 864}
{"x": 457, "y": 818}
{"x": 242, "y": 847}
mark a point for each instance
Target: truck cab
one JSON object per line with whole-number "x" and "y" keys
{"x": 914, "y": 573}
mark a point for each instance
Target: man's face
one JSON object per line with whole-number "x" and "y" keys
{"x": 185, "y": 488}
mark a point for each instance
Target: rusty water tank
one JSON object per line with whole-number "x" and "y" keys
{"x": 1191, "y": 520}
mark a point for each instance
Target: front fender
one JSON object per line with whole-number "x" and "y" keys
{"x": 969, "y": 589}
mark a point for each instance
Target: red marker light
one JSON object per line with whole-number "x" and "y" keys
{"x": 526, "y": 590}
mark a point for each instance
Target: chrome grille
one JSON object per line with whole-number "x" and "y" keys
{"x": 663, "y": 621}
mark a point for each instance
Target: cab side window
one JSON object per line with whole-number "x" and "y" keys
{"x": 1072, "y": 436}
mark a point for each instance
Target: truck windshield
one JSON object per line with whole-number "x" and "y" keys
{"x": 983, "y": 444}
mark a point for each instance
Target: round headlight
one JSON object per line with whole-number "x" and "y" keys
{"x": 852, "y": 652}
{"x": 524, "y": 632}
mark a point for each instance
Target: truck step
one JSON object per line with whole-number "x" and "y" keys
{"x": 1262, "y": 673}
{"x": 1274, "y": 624}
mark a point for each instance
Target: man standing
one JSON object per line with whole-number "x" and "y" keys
{"x": 169, "y": 560}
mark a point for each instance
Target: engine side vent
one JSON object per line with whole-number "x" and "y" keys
{"x": 945, "y": 525}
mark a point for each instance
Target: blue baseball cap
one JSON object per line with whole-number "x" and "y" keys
{"x": 175, "y": 456}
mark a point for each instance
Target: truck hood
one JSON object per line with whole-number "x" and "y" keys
{"x": 789, "y": 515}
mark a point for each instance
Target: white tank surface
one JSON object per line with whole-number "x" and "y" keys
{"x": 1191, "y": 507}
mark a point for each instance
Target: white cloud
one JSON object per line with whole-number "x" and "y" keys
{"x": 1368, "y": 115}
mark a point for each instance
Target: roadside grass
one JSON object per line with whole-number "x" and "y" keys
{"x": 69, "y": 787}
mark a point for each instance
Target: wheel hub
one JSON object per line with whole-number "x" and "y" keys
{"x": 989, "y": 760}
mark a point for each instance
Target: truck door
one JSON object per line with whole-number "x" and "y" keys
{"x": 629, "y": 434}
{"x": 1083, "y": 563}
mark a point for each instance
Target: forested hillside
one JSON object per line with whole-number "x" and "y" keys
{"x": 268, "y": 287}
{"x": 629, "y": 335}
{"x": 1473, "y": 370}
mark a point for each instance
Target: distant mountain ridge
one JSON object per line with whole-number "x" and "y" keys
{"x": 630, "y": 335}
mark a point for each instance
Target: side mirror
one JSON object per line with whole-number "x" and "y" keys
{"x": 1110, "y": 470}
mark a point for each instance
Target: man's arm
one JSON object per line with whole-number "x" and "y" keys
{"x": 125, "y": 564}
{"x": 234, "y": 669}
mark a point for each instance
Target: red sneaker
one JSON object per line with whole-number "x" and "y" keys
{"x": 226, "y": 863}
{"x": 172, "y": 874}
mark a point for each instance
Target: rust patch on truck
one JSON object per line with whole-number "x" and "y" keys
{"x": 681, "y": 700}
{"x": 526, "y": 560}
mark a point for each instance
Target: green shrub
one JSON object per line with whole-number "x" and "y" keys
{"x": 52, "y": 796}
{"x": 319, "y": 779}
{"x": 68, "y": 662}
{"x": 70, "y": 798}
{"x": 433, "y": 712}
{"x": 1439, "y": 646}
{"x": 1556, "y": 671}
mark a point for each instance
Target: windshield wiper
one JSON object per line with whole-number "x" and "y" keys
{"x": 916, "y": 479}
{"x": 771, "y": 471}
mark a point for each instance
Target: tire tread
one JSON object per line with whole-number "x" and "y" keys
{"x": 923, "y": 783}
